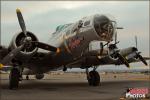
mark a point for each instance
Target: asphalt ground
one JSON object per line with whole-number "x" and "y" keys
{"x": 73, "y": 86}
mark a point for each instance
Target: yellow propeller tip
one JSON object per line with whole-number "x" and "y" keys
{"x": 58, "y": 50}
{"x": 1, "y": 66}
{"x": 17, "y": 10}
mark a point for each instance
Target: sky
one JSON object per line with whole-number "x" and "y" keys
{"x": 42, "y": 18}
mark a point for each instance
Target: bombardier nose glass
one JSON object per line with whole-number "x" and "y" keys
{"x": 105, "y": 27}
{"x": 112, "y": 29}
{"x": 107, "y": 30}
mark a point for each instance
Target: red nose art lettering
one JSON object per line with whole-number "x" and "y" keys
{"x": 74, "y": 42}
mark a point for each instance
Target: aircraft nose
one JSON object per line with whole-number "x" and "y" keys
{"x": 104, "y": 27}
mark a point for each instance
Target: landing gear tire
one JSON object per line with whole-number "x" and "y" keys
{"x": 94, "y": 78}
{"x": 27, "y": 77}
{"x": 14, "y": 78}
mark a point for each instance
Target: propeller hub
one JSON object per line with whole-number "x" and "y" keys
{"x": 29, "y": 39}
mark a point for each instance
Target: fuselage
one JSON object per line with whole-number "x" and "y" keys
{"x": 73, "y": 39}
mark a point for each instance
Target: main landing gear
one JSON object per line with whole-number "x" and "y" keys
{"x": 93, "y": 77}
{"x": 15, "y": 76}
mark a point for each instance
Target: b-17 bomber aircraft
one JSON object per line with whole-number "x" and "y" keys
{"x": 68, "y": 48}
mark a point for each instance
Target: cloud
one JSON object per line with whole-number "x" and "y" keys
{"x": 42, "y": 17}
{"x": 35, "y": 7}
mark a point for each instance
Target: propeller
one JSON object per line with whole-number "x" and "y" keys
{"x": 115, "y": 54}
{"x": 138, "y": 53}
{"x": 115, "y": 37}
{"x": 113, "y": 47}
{"x": 136, "y": 41}
{"x": 142, "y": 59}
{"x": 46, "y": 46}
{"x": 26, "y": 42}
{"x": 21, "y": 21}
{"x": 123, "y": 60}
{"x": 11, "y": 55}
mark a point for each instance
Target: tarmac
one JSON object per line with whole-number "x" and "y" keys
{"x": 73, "y": 86}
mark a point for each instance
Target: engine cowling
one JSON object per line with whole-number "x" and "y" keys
{"x": 129, "y": 52}
{"x": 113, "y": 55}
{"x": 18, "y": 40}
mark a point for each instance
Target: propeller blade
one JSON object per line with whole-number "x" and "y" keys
{"x": 136, "y": 41}
{"x": 45, "y": 46}
{"x": 142, "y": 59}
{"x": 115, "y": 37}
{"x": 124, "y": 60}
{"x": 11, "y": 55}
{"x": 21, "y": 21}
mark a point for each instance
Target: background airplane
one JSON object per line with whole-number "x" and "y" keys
{"x": 68, "y": 48}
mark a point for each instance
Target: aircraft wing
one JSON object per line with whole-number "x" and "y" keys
{"x": 3, "y": 52}
{"x": 137, "y": 60}
{"x": 106, "y": 61}
{"x": 94, "y": 58}
{"x": 5, "y": 68}
{"x": 6, "y": 56}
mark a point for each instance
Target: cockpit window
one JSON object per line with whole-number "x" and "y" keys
{"x": 86, "y": 23}
{"x": 62, "y": 27}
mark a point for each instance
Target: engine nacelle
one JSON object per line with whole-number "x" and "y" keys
{"x": 39, "y": 76}
{"x": 127, "y": 52}
{"x": 18, "y": 40}
{"x": 113, "y": 55}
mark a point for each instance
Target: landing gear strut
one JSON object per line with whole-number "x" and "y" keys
{"x": 15, "y": 75}
{"x": 14, "y": 78}
{"x": 93, "y": 77}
